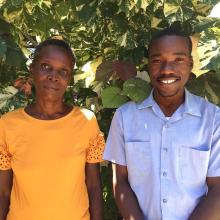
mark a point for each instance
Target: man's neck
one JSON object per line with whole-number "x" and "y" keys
{"x": 169, "y": 105}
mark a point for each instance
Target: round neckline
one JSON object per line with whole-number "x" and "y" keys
{"x": 52, "y": 120}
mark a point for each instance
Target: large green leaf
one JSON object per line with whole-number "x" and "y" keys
{"x": 112, "y": 98}
{"x": 4, "y": 27}
{"x": 3, "y": 48}
{"x": 136, "y": 89}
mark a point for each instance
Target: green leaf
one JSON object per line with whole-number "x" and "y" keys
{"x": 136, "y": 89}
{"x": 4, "y": 27}
{"x": 3, "y": 48}
{"x": 63, "y": 9}
{"x": 87, "y": 13}
{"x": 142, "y": 3}
{"x": 112, "y": 98}
{"x": 14, "y": 57}
{"x": 204, "y": 24}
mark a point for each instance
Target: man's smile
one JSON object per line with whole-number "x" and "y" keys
{"x": 168, "y": 80}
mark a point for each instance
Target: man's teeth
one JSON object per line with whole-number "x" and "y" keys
{"x": 168, "y": 81}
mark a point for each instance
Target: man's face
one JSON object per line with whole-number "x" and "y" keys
{"x": 170, "y": 65}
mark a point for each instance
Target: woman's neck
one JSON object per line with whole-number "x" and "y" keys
{"x": 48, "y": 110}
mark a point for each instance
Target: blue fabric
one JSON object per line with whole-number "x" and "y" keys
{"x": 168, "y": 161}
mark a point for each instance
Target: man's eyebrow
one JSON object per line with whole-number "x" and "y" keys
{"x": 155, "y": 55}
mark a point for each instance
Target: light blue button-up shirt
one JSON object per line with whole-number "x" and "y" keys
{"x": 167, "y": 160}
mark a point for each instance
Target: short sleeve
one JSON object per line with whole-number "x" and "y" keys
{"x": 95, "y": 149}
{"x": 5, "y": 156}
{"x": 115, "y": 145}
{"x": 96, "y": 142}
{"x": 214, "y": 160}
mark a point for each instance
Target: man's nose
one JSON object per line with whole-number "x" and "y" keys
{"x": 167, "y": 67}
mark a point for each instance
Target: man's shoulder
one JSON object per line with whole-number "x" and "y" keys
{"x": 128, "y": 107}
{"x": 203, "y": 101}
{"x": 204, "y": 105}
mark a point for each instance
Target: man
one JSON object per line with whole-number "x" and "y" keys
{"x": 166, "y": 150}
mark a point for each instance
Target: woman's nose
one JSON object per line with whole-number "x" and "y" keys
{"x": 53, "y": 76}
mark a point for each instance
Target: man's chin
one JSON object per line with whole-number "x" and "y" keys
{"x": 168, "y": 94}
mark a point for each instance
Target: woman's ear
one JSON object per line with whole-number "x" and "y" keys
{"x": 31, "y": 70}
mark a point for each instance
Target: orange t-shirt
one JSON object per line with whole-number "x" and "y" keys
{"x": 48, "y": 160}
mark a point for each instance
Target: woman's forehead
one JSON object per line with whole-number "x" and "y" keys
{"x": 55, "y": 52}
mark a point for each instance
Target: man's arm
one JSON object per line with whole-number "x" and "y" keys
{"x": 93, "y": 183}
{"x": 209, "y": 207}
{"x": 6, "y": 177}
{"x": 125, "y": 198}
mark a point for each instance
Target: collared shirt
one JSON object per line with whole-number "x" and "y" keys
{"x": 167, "y": 160}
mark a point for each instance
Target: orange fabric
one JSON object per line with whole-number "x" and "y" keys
{"x": 48, "y": 161}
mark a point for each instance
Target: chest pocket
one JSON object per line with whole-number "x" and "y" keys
{"x": 138, "y": 158}
{"x": 193, "y": 165}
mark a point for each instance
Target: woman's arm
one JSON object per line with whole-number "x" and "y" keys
{"x": 93, "y": 183}
{"x": 6, "y": 177}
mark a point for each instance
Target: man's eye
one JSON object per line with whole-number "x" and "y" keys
{"x": 179, "y": 60}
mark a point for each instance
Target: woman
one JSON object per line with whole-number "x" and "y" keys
{"x": 49, "y": 151}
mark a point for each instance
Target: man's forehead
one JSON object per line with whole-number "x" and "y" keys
{"x": 177, "y": 44}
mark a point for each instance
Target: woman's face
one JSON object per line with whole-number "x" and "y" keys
{"x": 51, "y": 72}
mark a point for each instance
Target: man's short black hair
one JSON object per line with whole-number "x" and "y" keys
{"x": 53, "y": 42}
{"x": 171, "y": 31}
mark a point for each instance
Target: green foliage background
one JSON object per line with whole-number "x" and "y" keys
{"x": 109, "y": 38}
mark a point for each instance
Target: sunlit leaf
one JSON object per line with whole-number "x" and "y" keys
{"x": 170, "y": 9}
{"x": 112, "y": 98}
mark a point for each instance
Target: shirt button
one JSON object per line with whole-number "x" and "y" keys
{"x": 164, "y": 174}
{"x": 165, "y": 149}
{"x": 166, "y": 125}
{"x": 164, "y": 201}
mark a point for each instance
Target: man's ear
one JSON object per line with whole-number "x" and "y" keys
{"x": 191, "y": 62}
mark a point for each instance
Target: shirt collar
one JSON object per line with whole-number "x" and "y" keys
{"x": 190, "y": 106}
{"x": 148, "y": 102}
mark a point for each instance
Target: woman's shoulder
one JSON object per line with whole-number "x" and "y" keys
{"x": 15, "y": 114}
{"x": 87, "y": 113}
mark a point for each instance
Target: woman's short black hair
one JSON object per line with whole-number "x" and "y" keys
{"x": 171, "y": 31}
{"x": 54, "y": 42}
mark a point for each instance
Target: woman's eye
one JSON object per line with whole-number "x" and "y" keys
{"x": 156, "y": 61}
{"x": 63, "y": 72}
{"x": 45, "y": 66}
